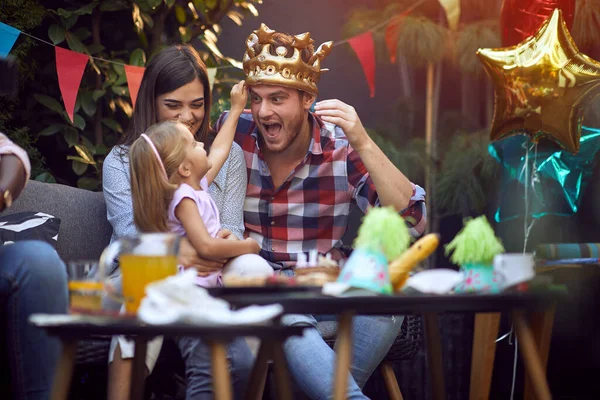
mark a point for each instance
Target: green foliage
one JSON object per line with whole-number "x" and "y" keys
{"x": 467, "y": 175}
{"x": 124, "y": 31}
{"x": 383, "y": 230}
{"x": 480, "y": 34}
{"x": 475, "y": 243}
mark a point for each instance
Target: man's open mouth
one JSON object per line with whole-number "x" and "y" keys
{"x": 272, "y": 129}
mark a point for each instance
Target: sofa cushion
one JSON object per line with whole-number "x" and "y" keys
{"x": 84, "y": 229}
{"x": 29, "y": 226}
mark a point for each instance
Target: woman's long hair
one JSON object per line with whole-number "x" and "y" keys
{"x": 151, "y": 190}
{"x": 173, "y": 67}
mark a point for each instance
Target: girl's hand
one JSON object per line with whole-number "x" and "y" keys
{"x": 239, "y": 97}
{"x": 226, "y": 234}
{"x": 253, "y": 245}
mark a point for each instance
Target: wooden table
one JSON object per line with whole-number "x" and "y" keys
{"x": 533, "y": 343}
{"x": 71, "y": 328}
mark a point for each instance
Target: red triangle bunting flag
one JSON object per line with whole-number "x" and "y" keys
{"x": 69, "y": 68}
{"x": 134, "y": 80}
{"x": 364, "y": 48}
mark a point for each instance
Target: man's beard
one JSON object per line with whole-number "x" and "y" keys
{"x": 294, "y": 127}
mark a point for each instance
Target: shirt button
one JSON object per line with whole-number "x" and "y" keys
{"x": 273, "y": 248}
{"x": 272, "y": 223}
{"x": 272, "y": 198}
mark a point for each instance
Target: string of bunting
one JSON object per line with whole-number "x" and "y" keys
{"x": 70, "y": 64}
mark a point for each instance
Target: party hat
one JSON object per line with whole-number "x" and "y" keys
{"x": 382, "y": 236}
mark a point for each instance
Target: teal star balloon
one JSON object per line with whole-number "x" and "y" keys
{"x": 556, "y": 179}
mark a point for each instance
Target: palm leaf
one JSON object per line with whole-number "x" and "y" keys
{"x": 467, "y": 174}
{"x": 481, "y": 34}
{"x": 422, "y": 41}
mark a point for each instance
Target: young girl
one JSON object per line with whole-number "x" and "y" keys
{"x": 170, "y": 175}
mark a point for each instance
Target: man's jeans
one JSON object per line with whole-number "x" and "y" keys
{"x": 197, "y": 357}
{"x": 32, "y": 280}
{"x": 312, "y": 361}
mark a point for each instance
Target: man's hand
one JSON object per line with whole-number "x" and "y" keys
{"x": 189, "y": 258}
{"x": 344, "y": 116}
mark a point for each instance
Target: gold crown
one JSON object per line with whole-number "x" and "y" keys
{"x": 264, "y": 65}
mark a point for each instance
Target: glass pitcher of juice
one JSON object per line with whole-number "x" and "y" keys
{"x": 144, "y": 259}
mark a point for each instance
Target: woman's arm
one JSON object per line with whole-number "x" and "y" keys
{"x": 207, "y": 246}
{"x": 219, "y": 150}
{"x": 14, "y": 171}
{"x": 116, "y": 187}
{"x": 234, "y": 193}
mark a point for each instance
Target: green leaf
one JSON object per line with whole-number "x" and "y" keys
{"x": 88, "y": 183}
{"x": 64, "y": 13}
{"x": 83, "y": 33}
{"x": 147, "y": 18}
{"x": 119, "y": 69}
{"x": 119, "y": 90}
{"x": 70, "y": 21}
{"x": 186, "y": 34}
{"x": 88, "y": 103}
{"x": 101, "y": 149}
{"x": 52, "y": 129}
{"x": 169, "y": 3}
{"x": 75, "y": 44}
{"x": 180, "y": 14}
{"x": 211, "y": 4}
{"x": 138, "y": 58}
{"x": 154, "y": 3}
{"x": 95, "y": 48}
{"x": 87, "y": 9}
{"x": 97, "y": 94}
{"x": 79, "y": 168}
{"x": 45, "y": 177}
{"x": 56, "y": 33}
{"x": 87, "y": 143}
{"x": 79, "y": 122}
{"x": 71, "y": 136}
{"x": 112, "y": 124}
{"x": 49, "y": 102}
{"x": 85, "y": 153}
{"x": 77, "y": 158}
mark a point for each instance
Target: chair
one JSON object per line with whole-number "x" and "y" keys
{"x": 405, "y": 347}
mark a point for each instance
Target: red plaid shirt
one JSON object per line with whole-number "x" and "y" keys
{"x": 310, "y": 210}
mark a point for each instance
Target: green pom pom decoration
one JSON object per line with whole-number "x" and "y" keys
{"x": 476, "y": 243}
{"x": 383, "y": 230}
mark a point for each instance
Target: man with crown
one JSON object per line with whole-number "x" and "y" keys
{"x": 305, "y": 170}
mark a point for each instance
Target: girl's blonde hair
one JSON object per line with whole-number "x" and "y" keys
{"x": 151, "y": 191}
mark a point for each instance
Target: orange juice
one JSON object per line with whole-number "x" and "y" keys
{"x": 85, "y": 296}
{"x": 138, "y": 271}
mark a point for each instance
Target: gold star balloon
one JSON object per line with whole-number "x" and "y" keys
{"x": 542, "y": 85}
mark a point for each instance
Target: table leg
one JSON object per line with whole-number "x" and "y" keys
{"x": 344, "y": 355}
{"x": 484, "y": 350}
{"x": 434, "y": 355}
{"x": 541, "y": 326}
{"x": 531, "y": 357}
{"x": 64, "y": 370}
{"x": 282, "y": 375}
{"x": 138, "y": 373}
{"x": 258, "y": 376}
{"x": 220, "y": 371}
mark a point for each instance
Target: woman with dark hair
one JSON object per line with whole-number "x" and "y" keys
{"x": 175, "y": 87}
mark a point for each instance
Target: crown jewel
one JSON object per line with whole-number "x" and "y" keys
{"x": 266, "y": 64}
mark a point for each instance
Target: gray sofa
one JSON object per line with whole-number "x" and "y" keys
{"x": 84, "y": 230}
